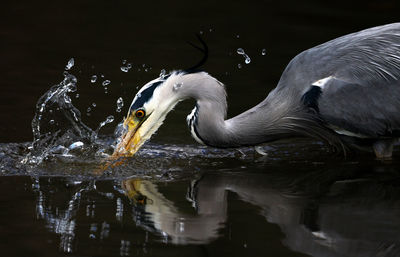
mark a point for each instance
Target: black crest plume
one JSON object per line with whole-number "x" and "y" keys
{"x": 204, "y": 50}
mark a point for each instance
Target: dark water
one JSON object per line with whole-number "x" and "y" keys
{"x": 176, "y": 198}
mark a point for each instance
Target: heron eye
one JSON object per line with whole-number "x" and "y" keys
{"x": 139, "y": 114}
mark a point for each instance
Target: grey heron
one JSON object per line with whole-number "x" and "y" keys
{"x": 345, "y": 92}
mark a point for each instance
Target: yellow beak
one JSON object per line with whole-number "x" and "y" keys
{"x": 130, "y": 140}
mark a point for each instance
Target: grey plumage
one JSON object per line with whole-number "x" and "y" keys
{"x": 345, "y": 92}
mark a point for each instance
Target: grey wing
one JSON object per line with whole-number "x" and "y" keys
{"x": 368, "y": 111}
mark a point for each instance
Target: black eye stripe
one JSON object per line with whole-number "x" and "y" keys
{"x": 145, "y": 95}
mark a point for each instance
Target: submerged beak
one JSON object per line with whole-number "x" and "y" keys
{"x": 131, "y": 139}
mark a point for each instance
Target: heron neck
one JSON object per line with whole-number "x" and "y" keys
{"x": 263, "y": 123}
{"x": 254, "y": 126}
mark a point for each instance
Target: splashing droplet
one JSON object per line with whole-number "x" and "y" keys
{"x": 94, "y": 104}
{"x": 120, "y": 104}
{"x": 177, "y": 86}
{"x": 51, "y": 122}
{"x": 239, "y": 66}
{"x": 106, "y": 82}
{"x": 67, "y": 99}
{"x": 263, "y": 51}
{"x": 77, "y": 96}
{"x": 109, "y": 119}
{"x": 76, "y": 145}
{"x": 105, "y": 90}
{"x": 93, "y": 79}
{"x": 88, "y": 109}
{"x": 126, "y": 68}
{"x": 123, "y": 61}
{"x": 240, "y": 51}
{"x": 237, "y": 36}
{"x": 247, "y": 59}
{"x": 70, "y": 64}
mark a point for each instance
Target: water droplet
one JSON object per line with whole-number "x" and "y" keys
{"x": 123, "y": 61}
{"x": 263, "y": 51}
{"x": 143, "y": 65}
{"x": 106, "y": 82}
{"x": 77, "y": 96}
{"x": 94, "y": 104}
{"x": 88, "y": 109}
{"x": 177, "y": 86}
{"x": 146, "y": 70}
{"x": 247, "y": 59}
{"x": 240, "y": 51}
{"x": 70, "y": 64}
{"x": 76, "y": 145}
{"x": 211, "y": 30}
{"x": 237, "y": 36}
{"x": 67, "y": 99}
{"x": 126, "y": 68}
{"x": 51, "y": 122}
{"x": 105, "y": 90}
{"x": 101, "y": 75}
{"x": 138, "y": 95}
{"x": 162, "y": 73}
{"x": 93, "y": 79}
{"x": 239, "y": 66}
{"x": 110, "y": 119}
{"x": 120, "y": 104}
{"x": 201, "y": 32}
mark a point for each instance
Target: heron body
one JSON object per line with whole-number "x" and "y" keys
{"x": 345, "y": 92}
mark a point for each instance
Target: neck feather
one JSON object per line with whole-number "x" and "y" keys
{"x": 265, "y": 122}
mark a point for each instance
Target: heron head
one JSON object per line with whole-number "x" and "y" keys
{"x": 153, "y": 102}
{"x": 147, "y": 112}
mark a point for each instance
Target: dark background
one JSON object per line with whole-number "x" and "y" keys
{"x": 37, "y": 38}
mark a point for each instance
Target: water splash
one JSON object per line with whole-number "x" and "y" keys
{"x": 109, "y": 119}
{"x": 263, "y": 51}
{"x": 247, "y": 59}
{"x": 70, "y": 64}
{"x": 127, "y": 67}
{"x": 58, "y": 130}
{"x": 93, "y": 79}
{"x": 106, "y": 82}
{"x": 120, "y": 104}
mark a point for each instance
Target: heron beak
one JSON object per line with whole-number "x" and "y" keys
{"x": 131, "y": 139}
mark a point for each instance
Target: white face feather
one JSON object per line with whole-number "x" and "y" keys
{"x": 322, "y": 82}
{"x": 157, "y": 106}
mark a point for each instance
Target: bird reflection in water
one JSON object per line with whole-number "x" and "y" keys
{"x": 321, "y": 214}
{"x": 330, "y": 212}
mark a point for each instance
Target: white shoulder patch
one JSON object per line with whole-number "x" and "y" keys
{"x": 322, "y": 82}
